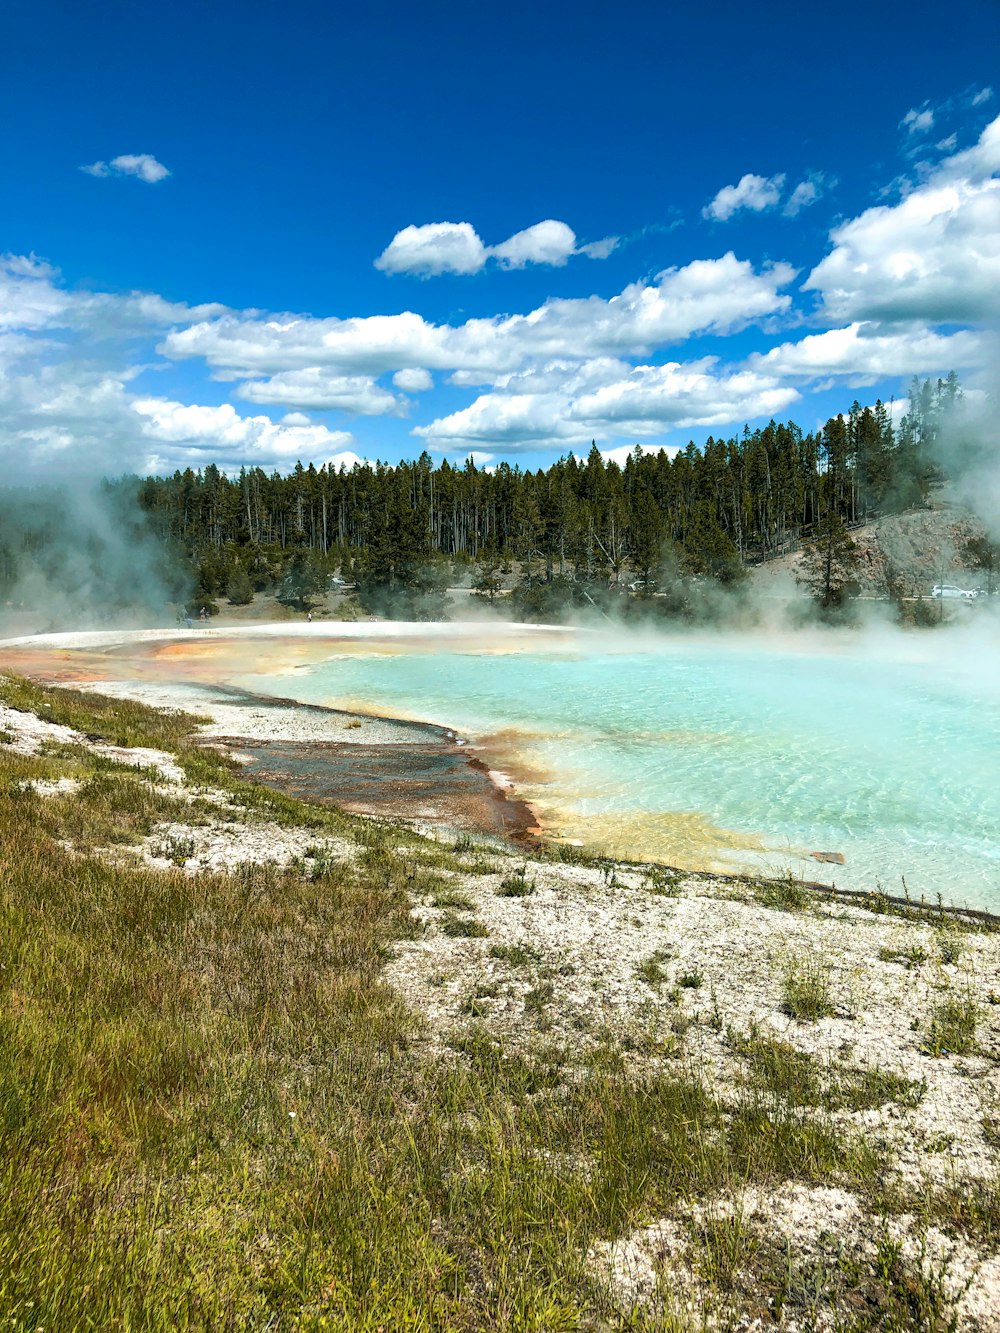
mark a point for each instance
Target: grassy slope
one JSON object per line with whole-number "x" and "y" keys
{"x": 214, "y": 1113}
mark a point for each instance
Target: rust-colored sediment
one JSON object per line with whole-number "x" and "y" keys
{"x": 429, "y": 779}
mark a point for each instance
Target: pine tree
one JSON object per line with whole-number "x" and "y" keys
{"x": 239, "y": 589}
{"x": 829, "y": 564}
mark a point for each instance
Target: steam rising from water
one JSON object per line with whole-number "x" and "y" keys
{"x": 81, "y": 554}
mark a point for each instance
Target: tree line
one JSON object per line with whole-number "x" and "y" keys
{"x": 566, "y": 533}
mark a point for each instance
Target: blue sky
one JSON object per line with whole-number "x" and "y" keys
{"x": 253, "y": 233}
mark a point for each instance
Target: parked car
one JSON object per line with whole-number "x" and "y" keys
{"x": 950, "y": 590}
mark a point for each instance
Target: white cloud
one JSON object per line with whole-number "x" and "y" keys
{"x": 560, "y": 406}
{"x": 982, "y": 96}
{"x": 652, "y": 397}
{"x": 977, "y": 163}
{"x": 30, "y": 298}
{"x": 621, "y": 453}
{"x": 805, "y": 194}
{"x": 437, "y": 247}
{"x": 219, "y": 434}
{"x": 141, "y": 165}
{"x": 863, "y": 353}
{"x": 456, "y": 247}
{"x": 707, "y": 295}
{"x": 316, "y": 388}
{"x": 413, "y": 380}
{"x": 755, "y": 193}
{"x": 918, "y": 121}
{"x": 348, "y": 459}
{"x": 934, "y": 257}
{"x": 547, "y": 242}
{"x": 66, "y": 398}
{"x": 599, "y": 249}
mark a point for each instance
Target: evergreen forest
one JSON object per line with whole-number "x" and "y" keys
{"x": 578, "y": 532}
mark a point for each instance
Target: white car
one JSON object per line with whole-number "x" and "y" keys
{"x": 950, "y": 590}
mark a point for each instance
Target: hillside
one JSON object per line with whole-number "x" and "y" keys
{"x": 916, "y": 550}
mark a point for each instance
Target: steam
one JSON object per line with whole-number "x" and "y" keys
{"x": 82, "y": 555}
{"x": 968, "y": 451}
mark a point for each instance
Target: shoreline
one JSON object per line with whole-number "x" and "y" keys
{"x": 356, "y": 761}
{"x": 459, "y": 788}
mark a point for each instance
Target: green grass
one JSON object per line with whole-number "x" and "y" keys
{"x": 651, "y": 970}
{"x": 787, "y": 895}
{"x": 911, "y": 956}
{"x": 463, "y": 927}
{"x": 517, "y": 955}
{"x": 216, "y": 1115}
{"x": 798, "y": 1078}
{"x": 662, "y": 882}
{"x": 516, "y": 884}
{"x": 451, "y": 897}
{"x": 950, "y": 947}
{"x": 951, "y": 1029}
{"x": 805, "y": 992}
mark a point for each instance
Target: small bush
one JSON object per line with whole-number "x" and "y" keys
{"x": 539, "y": 996}
{"x": 908, "y": 958}
{"x": 788, "y": 895}
{"x": 950, "y": 949}
{"x": 690, "y": 980}
{"x": 664, "y": 883}
{"x": 177, "y": 850}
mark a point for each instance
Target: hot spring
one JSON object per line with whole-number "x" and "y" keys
{"x": 711, "y": 752}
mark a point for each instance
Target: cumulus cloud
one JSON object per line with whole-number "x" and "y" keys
{"x": 68, "y": 403}
{"x": 933, "y": 258}
{"x": 707, "y": 295}
{"x": 203, "y": 434}
{"x": 143, "y": 166}
{"x": 317, "y": 389}
{"x": 621, "y": 453}
{"x": 753, "y": 193}
{"x": 864, "y": 353}
{"x": 437, "y": 247}
{"x": 414, "y": 380}
{"x": 560, "y": 405}
{"x": 456, "y": 247}
{"x": 547, "y": 242}
{"x": 32, "y": 299}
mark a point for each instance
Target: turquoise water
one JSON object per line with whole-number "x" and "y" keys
{"x": 700, "y": 751}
